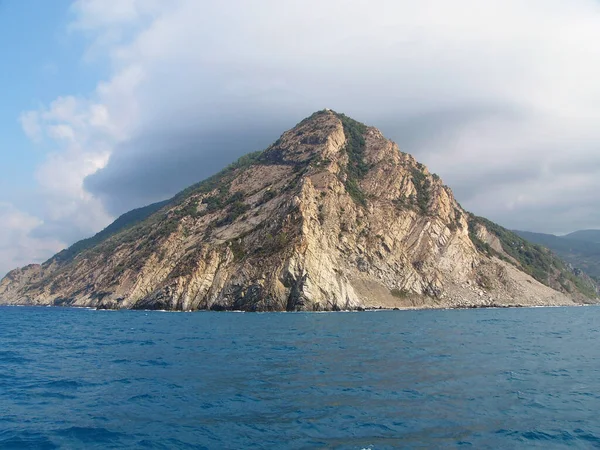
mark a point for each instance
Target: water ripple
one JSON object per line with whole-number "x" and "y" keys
{"x": 522, "y": 378}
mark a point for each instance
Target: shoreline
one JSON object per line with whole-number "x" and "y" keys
{"x": 355, "y": 310}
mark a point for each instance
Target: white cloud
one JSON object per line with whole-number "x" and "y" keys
{"x": 99, "y": 15}
{"x": 17, "y": 246}
{"x": 81, "y": 134}
{"x": 61, "y": 131}
{"x": 512, "y": 86}
{"x": 30, "y": 122}
{"x": 109, "y": 22}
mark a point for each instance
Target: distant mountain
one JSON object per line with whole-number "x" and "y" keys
{"x": 585, "y": 235}
{"x": 581, "y": 254}
{"x": 331, "y": 216}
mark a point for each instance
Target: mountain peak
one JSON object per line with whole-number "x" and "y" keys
{"x": 331, "y": 216}
{"x": 320, "y": 134}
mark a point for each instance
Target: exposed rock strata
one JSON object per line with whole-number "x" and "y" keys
{"x": 332, "y": 216}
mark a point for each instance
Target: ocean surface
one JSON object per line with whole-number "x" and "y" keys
{"x": 493, "y": 378}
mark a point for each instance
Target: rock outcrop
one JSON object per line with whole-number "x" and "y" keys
{"x": 331, "y": 216}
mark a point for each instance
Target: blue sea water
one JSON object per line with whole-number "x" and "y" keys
{"x": 493, "y": 378}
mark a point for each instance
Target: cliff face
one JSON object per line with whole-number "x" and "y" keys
{"x": 331, "y": 216}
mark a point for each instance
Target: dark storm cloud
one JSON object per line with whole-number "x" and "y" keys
{"x": 470, "y": 183}
{"x": 551, "y": 218}
{"x": 157, "y": 165}
{"x": 412, "y": 132}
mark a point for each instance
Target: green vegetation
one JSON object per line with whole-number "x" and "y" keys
{"x": 319, "y": 161}
{"x": 190, "y": 209}
{"x": 580, "y": 254}
{"x": 399, "y": 293}
{"x": 354, "y": 190}
{"x": 457, "y": 217}
{"x": 357, "y": 168}
{"x": 267, "y": 196}
{"x": 235, "y": 210}
{"x": 537, "y": 261}
{"x": 275, "y": 243}
{"x": 220, "y": 200}
{"x": 422, "y": 185}
{"x": 215, "y": 202}
{"x": 237, "y": 248}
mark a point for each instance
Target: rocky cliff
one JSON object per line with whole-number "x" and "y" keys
{"x": 331, "y": 216}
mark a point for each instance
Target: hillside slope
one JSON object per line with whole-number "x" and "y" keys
{"x": 331, "y": 216}
{"x": 585, "y": 236}
{"x": 582, "y": 255}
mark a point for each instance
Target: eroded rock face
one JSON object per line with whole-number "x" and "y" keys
{"x": 332, "y": 216}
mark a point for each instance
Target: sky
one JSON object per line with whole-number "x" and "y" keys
{"x": 108, "y": 105}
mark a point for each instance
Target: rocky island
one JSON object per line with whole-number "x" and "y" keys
{"x": 331, "y": 216}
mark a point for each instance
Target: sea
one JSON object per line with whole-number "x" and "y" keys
{"x": 484, "y": 379}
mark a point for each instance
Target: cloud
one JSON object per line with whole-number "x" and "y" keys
{"x": 500, "y": 98}
{"x": 157, "y": 165}
{"x": 17, "y": 246}
{"x": 81, "y": 137}
{"x": 30, "y": 122}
